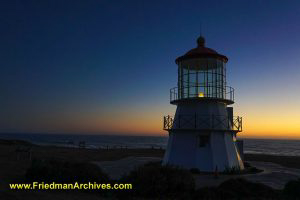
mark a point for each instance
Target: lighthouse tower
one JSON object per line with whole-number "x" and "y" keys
{"x": 202, "y": 134}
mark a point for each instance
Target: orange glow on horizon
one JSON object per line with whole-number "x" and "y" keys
{"x": 259, "y": 122}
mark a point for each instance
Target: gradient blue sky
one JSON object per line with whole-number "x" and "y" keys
{"x": 107, "y": 66}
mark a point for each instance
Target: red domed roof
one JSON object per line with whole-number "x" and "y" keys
{"x": 201, "y": 52}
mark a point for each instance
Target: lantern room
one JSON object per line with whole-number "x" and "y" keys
{"x": 202, "y": 74}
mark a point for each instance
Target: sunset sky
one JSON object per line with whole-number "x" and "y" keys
{"x": 107, "y": 66}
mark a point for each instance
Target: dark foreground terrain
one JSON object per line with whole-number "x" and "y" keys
{"x": 15, "y": 166}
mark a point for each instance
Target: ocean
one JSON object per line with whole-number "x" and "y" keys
{"x": 255, "y": 146}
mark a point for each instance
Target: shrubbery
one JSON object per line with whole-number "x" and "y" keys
{"x": 237, "y": 189}
{"x": 155, "y": 181}
{"x": 232, "y": 170}
{"x": 292, "y": 189}
{"x": 250, "y": 169}
{"x": 236, "y": 170}
{"x": 64, "y": 172}
{"x": 160, "y": 182}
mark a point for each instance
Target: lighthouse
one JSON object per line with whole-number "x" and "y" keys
{"x": 203, "y": 132}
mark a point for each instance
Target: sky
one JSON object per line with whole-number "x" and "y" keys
{"x": 107, "y": 66}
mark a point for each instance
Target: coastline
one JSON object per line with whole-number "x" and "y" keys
{"x": 14, "y": 167}
{"x": 8, "y": 148}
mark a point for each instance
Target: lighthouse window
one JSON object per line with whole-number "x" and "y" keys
{"x": 203, "y": 140}
{"x": 206, "y": 75}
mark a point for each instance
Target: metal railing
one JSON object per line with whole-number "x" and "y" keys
{"x": 203, "y": 122}
{"x": 226, "y": 93}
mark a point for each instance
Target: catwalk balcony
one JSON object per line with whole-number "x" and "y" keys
{"x": 202, "y": 93}
{"x": 203, "y": 122}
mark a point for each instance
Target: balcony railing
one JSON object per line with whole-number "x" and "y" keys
{"x": 226, "y": 93}
{"x": 203, "y": 122}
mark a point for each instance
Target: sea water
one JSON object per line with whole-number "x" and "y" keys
{"x": 256, "y": 146}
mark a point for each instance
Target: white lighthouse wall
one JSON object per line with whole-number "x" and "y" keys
{"x": 234, "y": 161}
{"x": 168, "y": 150}
{"x": 219, "y": 151}
{"x": 183, "y": 146}
{"x": 181, "y": 150}
{"x": 201, "y": 108}
{"x": 204, "y": 158}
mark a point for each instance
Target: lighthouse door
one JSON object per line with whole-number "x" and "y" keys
{"x": 203, "y": 141}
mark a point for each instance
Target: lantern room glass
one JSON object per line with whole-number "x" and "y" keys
{"x": 202, "y": 77}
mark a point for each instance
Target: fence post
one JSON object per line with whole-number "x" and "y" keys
{"x": 213, "y": 124}
{"x": 241, "y": 124}
{"x": 195, "y": 120}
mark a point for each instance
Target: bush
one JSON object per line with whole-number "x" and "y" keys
{"x": 232, "y": 170}
{"x": 250, "y": 169}
{"x": 64, "y": 172}
{"x": 243, "y": 188}
{"x": 156, "y": 181}
{"x": 237, "y": 189}
{"x": 292, "y": 189}
{"x": 195, "y": 171}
